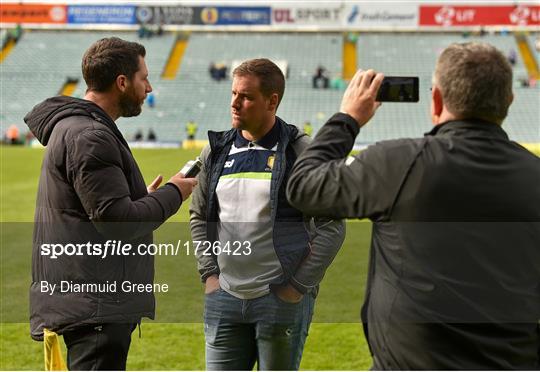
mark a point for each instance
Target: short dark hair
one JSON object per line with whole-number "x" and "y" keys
{"x": 107, "y": 58}
{"x": 270, "y": 76}
{"x": 475, "y": 80}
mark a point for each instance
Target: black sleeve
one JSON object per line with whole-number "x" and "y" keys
{"x": 325, "y": 181}
{"x": 95, "y": 164}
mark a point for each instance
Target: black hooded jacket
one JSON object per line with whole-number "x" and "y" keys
{"x": 90, "y": 191}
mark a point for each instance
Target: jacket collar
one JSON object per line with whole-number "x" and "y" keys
{"x": 45, "y": 116}
{"x": 285, "y": 133}
{"x": 468, "y": 126}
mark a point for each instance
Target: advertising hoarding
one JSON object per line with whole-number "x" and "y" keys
{"x": 220, "y": 15}
{"x": 457, "y": 16}
{"x": 167, "y": 15}
{"x": 101, "y": 14}
{"x": 381, "y": 15}
{"x": 32, "y": 13}
{"x": 329, "y": 15}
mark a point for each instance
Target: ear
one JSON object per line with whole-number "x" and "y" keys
{"x": 436, "y": 104}
{"x": 273, "y": 102}
{"x": 121, "y": 83}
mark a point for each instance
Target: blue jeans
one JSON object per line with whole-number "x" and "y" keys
{"x": 265, "y": 330}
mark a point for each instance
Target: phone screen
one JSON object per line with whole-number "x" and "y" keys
{"x": 398, "y": 89}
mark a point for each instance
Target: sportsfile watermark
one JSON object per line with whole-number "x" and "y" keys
{"x": 119, "y": 248}
{"x": 175, "y": 281}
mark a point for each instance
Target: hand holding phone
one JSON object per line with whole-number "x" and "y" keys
{"x": 359, "y": 98}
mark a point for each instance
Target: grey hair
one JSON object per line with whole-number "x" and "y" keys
{"x": 475, "y": 80}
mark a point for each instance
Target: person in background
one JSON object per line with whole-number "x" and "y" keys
{"x": 151, "y": 100}
{"x": 151, "y": 135}
{"x": 138, "y": 136}
{"x": 320, "y": 79}
{"x": 308, "y": 128}
{"x": 12, "y": 135}
{"x": 191, "y": 129}
{"x": 512, "y": 57}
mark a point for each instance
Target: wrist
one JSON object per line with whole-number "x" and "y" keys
{"x": 175, "y": 187}
{"x": 211, "y": 278}
{"x": 297, "y": 287}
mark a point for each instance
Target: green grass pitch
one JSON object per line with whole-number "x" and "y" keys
{"x": 174, "y": 341}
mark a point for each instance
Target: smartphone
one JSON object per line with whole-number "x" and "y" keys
{"x": 192, "y": 168}
{"x": 398, "y": 89}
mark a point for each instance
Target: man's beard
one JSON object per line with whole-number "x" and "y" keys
{"x": 129, "y": 104}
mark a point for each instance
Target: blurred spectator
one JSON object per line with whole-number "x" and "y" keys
{"x": 28, "y": 138}
{"x": 17, "y": 32}
{"x": 151, "y": 135}
{"x": 527, "y": 82}
{"x": 159, "y": 30}
{"x": 191, "y": 129}
{"x": 151, "y": 100}
{"x": 338, "y": 83}
{"x": 144, "y": 31}
{"x": 138, "y": 136}
{"x": 308, "y": 128}
{"x": 512, "y": 57}
{"x": 218, "y": 71}
{"x": 523, "y": 82}
{"x": 12, "y": 135}
{"x": 320, "y": 77}
{"x": 13, "y": 34}
{"x": 352, "y": 37}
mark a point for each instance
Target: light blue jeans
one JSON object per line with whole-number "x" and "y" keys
{"x": 265, "y": 330}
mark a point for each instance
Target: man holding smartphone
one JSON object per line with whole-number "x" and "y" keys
{"x": 454, "y": 269}
{"x": 263, "y": 259}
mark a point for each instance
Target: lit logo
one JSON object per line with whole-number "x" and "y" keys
{"x": 209, "y": 15}
{"x": 354, "y": 13}
{"x": 144, "y": 14}
{"x": 229, "y": 164}
{"x": 445, "y": 16}
{"x": 520, "y": 15}
{"x": 57, "y": 13}
{"x": 270, "y": 163}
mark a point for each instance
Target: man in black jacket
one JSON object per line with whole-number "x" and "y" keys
{"x": 91, "y": 198}
{"x": 454, "y": 275}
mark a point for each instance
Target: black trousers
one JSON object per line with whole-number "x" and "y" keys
{"x": 99, "y": 347}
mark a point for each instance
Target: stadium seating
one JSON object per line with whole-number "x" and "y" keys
{"x": 40, "y": 63}
{"x": 193, "y": 95}
{"x": 415, "y": 55}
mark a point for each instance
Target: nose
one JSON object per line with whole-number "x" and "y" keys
{"x": 235, "y": 102}
{"x": 148, "y": 88}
